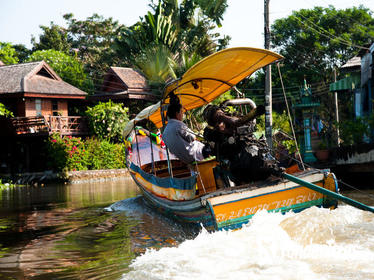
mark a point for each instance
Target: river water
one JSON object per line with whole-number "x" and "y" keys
{"x": 104, "y": 230}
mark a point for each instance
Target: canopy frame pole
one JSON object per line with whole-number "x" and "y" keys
{"x": 329, "y": 193}
{"x": 195, "y": 81}
{"x": 170, "y": 168}
{"x": 152, "y": 156}
{"x": 137, "y": 146}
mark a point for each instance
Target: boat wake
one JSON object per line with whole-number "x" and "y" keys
{"x": 314, "y": 244}
{"x": 133, "y": 204}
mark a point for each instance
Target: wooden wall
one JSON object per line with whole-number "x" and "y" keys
{"x": 30, "y": 110}
{"x": 63, "y": 107}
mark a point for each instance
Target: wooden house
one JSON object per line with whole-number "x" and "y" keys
{"x": 125, "y": 85}
{"x": 39, "y": 99}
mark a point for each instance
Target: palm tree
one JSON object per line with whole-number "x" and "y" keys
{"x": 183, "y": 27}
{"x": 158, "y": 65}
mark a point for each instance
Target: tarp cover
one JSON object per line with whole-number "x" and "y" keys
{"x": 213, "y": 76}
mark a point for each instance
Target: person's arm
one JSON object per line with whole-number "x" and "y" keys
{"x": 186, "y": 133}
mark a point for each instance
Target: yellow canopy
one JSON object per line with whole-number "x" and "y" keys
{"x": 214, "y": 75}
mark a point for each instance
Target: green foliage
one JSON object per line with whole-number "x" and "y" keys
{"x": 53, "y": 37}
{"x": 354, "y": 131}
{"x": 67, "y": 153}
{"x": 107, "y": 120}
{"x": 5, "y": 112}
{"x": 74, "y": 154}
{"x": 93, "y": 38}
{"x": 314, "y": 41}
{"x": 66, "y": 66}
{"x": 22, "y": 52}
{"x": 280, "y": 122}
{"x": 105, "y": 155}
{"x": 181, "y": 26}
{"x": 8, "y": 54}
{"x": 4, "y": 186}
{"x": 157, "y": 65}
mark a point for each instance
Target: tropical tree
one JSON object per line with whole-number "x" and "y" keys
{"x": 54, "y": 37}
{"x": 93, "y": 40}
{"x": 66, "y": 66}
{"x": 22, "y": 52}
{"x": 183, "y": 27}
{"x": 157, "y": 64}
{"x": 8, "y": 54}
{"x": 315, "y": 41}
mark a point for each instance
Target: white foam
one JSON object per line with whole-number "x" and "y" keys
{"x": 314, "y": 244}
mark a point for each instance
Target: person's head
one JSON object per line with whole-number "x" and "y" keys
{"x": 175, "y": 111}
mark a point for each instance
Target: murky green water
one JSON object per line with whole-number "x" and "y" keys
{"x": 67, "y": 232}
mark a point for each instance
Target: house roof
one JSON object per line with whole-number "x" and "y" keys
{"x": 353, "y": 62}
{"x": 130, "y": 77}
{"x": 124, "y": 83}
{"x": 34, "y": 77}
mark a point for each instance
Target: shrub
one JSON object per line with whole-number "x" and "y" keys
{"x": 353, "y": 131}
{"x": 107, "y": 120}
{"x": 105, "y": 155}
{"x": 73, "y": 154}
{"x": 67, "y": 153}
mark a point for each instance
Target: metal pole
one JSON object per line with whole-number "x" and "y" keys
{"x": 268, "y": 93}
{"x": 329, "y": 193}
{"x": 336, "y": 112}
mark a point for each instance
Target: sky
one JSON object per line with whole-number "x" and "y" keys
{"x": 243, "y": 20}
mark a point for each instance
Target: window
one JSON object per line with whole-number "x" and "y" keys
{"x": 38, "y": 107}
{"x": 55, "y": 108}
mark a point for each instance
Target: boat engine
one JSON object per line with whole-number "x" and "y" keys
{"x": 242, "y": 157}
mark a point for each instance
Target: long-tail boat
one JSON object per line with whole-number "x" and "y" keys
{"x": 193, "y": 193}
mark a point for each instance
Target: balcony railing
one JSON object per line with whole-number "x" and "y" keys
{"x": 72, "y": 125}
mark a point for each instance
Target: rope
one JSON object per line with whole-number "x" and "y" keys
{"x": 339, "y": 180}
{"x": 289, "y": 115}
{"x": 356, "y": 189}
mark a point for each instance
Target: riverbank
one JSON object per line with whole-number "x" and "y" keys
{"x": 73, "y": 177}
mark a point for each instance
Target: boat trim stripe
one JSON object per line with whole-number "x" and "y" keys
{"x": 250, "y": 197}
{"x": 213, "y": 215}
{"x": 297, "y": 207}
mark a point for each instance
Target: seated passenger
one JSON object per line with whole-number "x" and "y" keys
{"x": 179, "y": 139}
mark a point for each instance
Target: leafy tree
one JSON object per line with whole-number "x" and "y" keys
{"x": 4, "y": 111}
{"x": 54, "y": 37}
{"x": 315, "y": 41}
{"x": 22, "y": 52}
{"x": 93, "y": 39}
{"x": 8, "y": 54}
{"x": 181, "y": 27}
{"x": 107, "y": 120}
{"x": 66, "y": 66}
